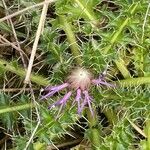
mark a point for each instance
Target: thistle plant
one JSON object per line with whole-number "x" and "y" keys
{"x": 80, "y": 80}
{"x": 91, "y": 58}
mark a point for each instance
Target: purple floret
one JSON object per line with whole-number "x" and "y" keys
{"x": 102, "y": 82}
{"x": 61, "y": 101}
{"x": 77, "y": 99}
{"x": 87, "y": 100}
{"x": 54, "y": 89}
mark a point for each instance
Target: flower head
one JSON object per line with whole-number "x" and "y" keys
{"x": 79, "y": 80}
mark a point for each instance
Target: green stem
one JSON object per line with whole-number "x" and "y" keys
{"x": 87, "y": 12}
{"x": 125, "y": 22}
{"x": 71, "y": 39}
{"x": 15, "y": 108}
{"x": 134, "y": 81}
{"x": 111, "y": 116}
{"x": 122, "y": 68}
{"x": 95, "y": 133}
{"x": 42, "y": 81}
{"x": 139, "y": 55}
{"x": 20, "y": 72}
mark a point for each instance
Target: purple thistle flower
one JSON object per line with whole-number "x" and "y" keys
{"x": 61, "y": 101}
{"x": 80, "y": 80}
{"x": 54, "y": 89}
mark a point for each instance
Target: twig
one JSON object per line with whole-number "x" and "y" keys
{"x": 13, "y": 45}
{"x": 27, "y": 79}
{"x": 25, "y": 9}
{"x": 21, "y": 91}
{"x": 38, "y": 117}
{"x": 136, "y": 128}
{"x": 50, "y": 147}
{"x": 5, "y": 138}
{"x": 35, "y": 44}
{"x": 16, "y": 89}
{"x": 15, "y": 35}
